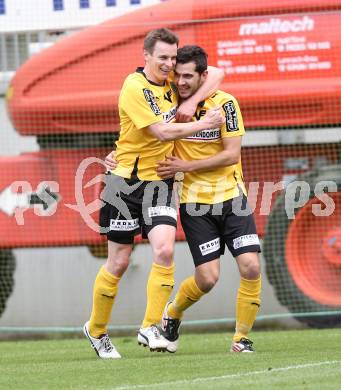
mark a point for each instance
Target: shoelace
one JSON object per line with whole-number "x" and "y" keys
{"x": 156, "y": 332}
{"x": 245, "y": 341}
{"x": 107, "y": 343}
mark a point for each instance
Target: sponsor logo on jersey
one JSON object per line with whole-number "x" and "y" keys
{"x": 199, "y": 114}
{"x": 168, "y": 96}
{"x": 159, "y": 211}
{"x": 231, "y": 116}
{"x": 149, "y": 96}
{"x": 210, "y": 246}
{"x": 124, "y": 224}
{"x": 247, "y": 240}
{"x": 168, "y": 116}
{"x": 276, "y": 26}
{"x": 205, "y": 135}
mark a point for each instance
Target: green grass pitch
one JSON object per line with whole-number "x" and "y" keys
{"x": 297, "y": 359}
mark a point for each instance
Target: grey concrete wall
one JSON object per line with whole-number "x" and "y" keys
{"x": 53, "y": 288}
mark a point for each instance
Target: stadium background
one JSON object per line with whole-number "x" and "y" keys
{"x": 282, "y": 63}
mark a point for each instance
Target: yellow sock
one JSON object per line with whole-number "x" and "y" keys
{"x": 159, "y": 288}
{"x": 247, "y": 306}
{"x": 188, "y": 294}
{"x": 105, "y": 290}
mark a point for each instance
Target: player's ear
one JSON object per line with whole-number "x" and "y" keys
{"x": 204, "y": 75}
{"x": 146, "y": 55}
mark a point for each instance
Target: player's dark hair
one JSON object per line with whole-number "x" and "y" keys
{"x": 193, "y": 53}
{"x": 160, "y": 34}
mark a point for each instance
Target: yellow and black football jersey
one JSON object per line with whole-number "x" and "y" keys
{"x": 219, "y": 184}
{"x": 141, "y": 104}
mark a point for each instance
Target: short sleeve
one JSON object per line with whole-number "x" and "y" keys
{"x": 233, "y": 126}
{"x": 140, "y": 105}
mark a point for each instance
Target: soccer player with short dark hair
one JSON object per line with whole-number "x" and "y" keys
{"x": 213, "y": 205}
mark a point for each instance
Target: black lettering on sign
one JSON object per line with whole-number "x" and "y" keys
{"x": 231, "y": 116}
{"x": 149, "y": 96}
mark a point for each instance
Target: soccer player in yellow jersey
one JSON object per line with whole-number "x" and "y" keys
{"x": 213, "y": 205}
{"x": 136, "y": 198}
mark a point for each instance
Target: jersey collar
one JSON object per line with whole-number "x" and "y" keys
{"x": 140, "y": 70}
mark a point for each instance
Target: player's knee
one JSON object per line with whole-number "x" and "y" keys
{"x": 163, "y": 254}
{"x": 209, "y": 284}
{"x": 207, "y": 275}
{"x": 118, "y": 263}
{"x": 120, "y": 266}
{"x": 249, "y": 265}
{"x": 208, "y": 281}
{"x": 252, "y": 271}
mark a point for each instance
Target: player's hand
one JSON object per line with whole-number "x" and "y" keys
{"x": 169, "y": 167}
{"x": 186, "y": 111}
{"x": 110, "y": 161}
{"x": 214, "y": 118}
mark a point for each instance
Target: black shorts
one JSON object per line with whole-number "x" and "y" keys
{"x": 132, "y": 207}
{"x": 209, "y": 227}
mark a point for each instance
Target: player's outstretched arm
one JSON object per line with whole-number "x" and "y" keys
{"x": 171, "y": 131}
{"x": 229, "y": 156}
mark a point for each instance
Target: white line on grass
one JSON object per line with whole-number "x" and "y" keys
{"x": 229, "y": 376}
